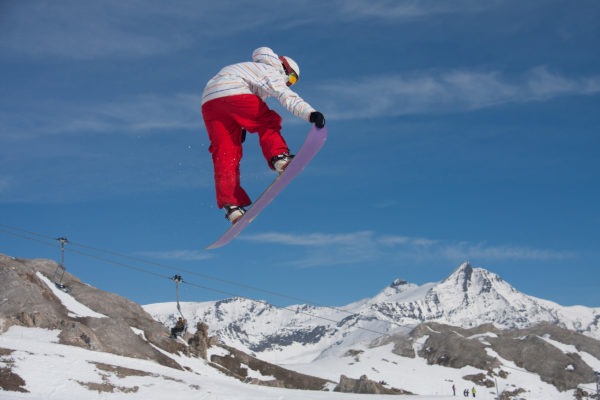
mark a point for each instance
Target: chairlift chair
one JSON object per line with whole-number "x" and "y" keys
{"x": 177, "y": 279}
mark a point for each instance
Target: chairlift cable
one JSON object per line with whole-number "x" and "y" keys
{"x": 142, "y": 270}
{"x": 202, "y": 275}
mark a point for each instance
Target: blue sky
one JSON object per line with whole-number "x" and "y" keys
{"x": 462, "y": 130}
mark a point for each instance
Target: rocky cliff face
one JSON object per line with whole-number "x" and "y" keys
{"x": 105, "y": 322}
{"x": 30, "y": 301}
{"x": 546, "y": 350}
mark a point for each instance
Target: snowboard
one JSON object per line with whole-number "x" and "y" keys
{"x": 313, "y": 143}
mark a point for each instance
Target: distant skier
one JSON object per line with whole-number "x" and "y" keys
{"x": 473, "y": 391}
{"x": 454, "y": 390}
{"x": 233, "y": 103}
{"x": 178, "y": 328}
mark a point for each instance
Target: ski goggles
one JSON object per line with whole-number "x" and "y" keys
{"x": 292, "y": 79}
{"x": 292, "y": 76}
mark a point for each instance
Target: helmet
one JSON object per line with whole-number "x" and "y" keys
{"x": 290, "y": 67}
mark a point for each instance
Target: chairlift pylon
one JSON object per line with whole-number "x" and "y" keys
{"x": 61, "y": 267}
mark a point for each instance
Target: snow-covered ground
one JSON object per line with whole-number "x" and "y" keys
{"x": 53, "y": 371}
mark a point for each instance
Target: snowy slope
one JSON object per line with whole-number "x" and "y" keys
{"x": 54, "y": 371}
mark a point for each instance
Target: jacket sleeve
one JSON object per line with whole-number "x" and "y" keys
{"x": 288, "y": 98}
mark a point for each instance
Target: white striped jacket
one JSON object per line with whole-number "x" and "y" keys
{"x": 263, "y": 77}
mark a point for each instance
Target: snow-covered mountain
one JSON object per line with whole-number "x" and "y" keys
{"x": 89, "y": 344}
{"x": 469, "y": 297}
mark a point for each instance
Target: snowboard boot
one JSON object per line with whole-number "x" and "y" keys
{"x": 234, "y": 213}
{"x": 280, "y": 162}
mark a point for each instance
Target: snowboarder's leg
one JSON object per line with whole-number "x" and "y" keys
{"x": 226, "y": 149}
{"x": 255, "y": 116}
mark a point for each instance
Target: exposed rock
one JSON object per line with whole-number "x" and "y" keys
{"x": 480, "y": 379}
{"x": 364, "y": 386}
{"x": 10, "y": 381}
{"x": 456, "y": 347}
{"x": 31, "y": 303}
{"x": 200, "y": 342}
{"x": 238, "y": 363}
{"x": 512, "y": 394}
{"x": 354, "y": 353}
{"x": 453, "y": 348}
{"x": 563, "y": 370}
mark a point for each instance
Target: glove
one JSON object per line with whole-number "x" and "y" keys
{"x": 317, "y": 118}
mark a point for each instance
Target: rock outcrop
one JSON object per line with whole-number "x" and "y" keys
{"x": 115, "y": 325}
{"x": 365, "y": 386}
{"x": 456, "y": 347}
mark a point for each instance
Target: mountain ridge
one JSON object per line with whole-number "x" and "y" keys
{"x": 467, "y": 298}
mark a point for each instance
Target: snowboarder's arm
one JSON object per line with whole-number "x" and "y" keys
{"x": 290, "y": 99}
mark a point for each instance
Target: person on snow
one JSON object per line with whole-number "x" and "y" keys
{"x": 178, "y": 328}
{"x": 233, "y": 103}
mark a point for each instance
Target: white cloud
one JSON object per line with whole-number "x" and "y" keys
{"x": 368, "y": 97}
{"x": 408, "y": 9}
{"x": 357, "y": 247}
{"x": 142, "y": 113}
{"x": 84, "y": 30}
{"x": 135, "y": 115}
{"x": 446, "y": 91}
{"x": 313, "y": 239}
{"x": 324, "y": 249}
{"x": 483, "y": 251}
{"x": 140, "y": 28}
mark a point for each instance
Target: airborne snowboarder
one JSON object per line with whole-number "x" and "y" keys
{"x": 233, "y": 103}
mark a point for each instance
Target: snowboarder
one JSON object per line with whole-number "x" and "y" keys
{"x": 473, "y": 390}
{"x": 453, "y": 390}
{"x": 178, "y": 328}
{"x": 233, "y": 103}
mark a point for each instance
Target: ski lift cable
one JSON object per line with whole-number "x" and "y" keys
{"x": 219, "y": 291}
{"x": 29, "y": 238}
{"x": 233, "y": 283}
{"x": 211, "y": 277}
{"x": 142, "y": 270}
{"x": 202, "y": 275}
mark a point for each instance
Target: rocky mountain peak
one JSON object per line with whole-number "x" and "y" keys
{"x": 398, "y": 282}
{"x": 461, "y": 277}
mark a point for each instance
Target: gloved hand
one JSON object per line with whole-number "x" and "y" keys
{"x": 317, "y": 118}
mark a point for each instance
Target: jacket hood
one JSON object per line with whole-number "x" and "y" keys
{"x": 265, "y": 55}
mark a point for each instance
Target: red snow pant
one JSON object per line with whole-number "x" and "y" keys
{"x": 224, "y": 118}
